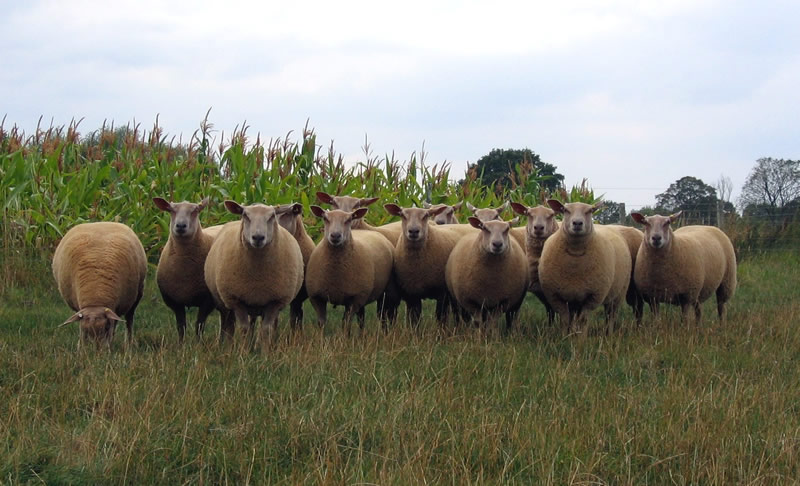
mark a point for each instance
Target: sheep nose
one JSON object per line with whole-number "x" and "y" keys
{"x": 656, "y": 239}
{"x": 497, "y": 246}
{"x": 335, "y": 237}
{"x": 258, "y": 240}
{"x": 538, "y": 227}
{"x": 413, "y": 233}
{"x": 180, "y": 227}
{"x": 577, "y": 224}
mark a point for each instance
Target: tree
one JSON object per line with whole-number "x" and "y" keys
{"x": 501, "y": 168}
{"x": 771, "y": 185}
{"x": 695, "y": 198}
{"x": 610, "y": 212}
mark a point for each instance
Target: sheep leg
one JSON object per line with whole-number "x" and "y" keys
{"x": 227, "y": 325}
{"x": 243, "y": 321}
{"x": 442, "y": 310}
{"x": 347, "y": 316}
{"x": 720, "y": 308}
{"x": 414, "y": 311}
{"x": 269, "y": 325}
{"x": 180, "y": 317}
{"x": 361, "y": 314}
{"x": 321, "y": 308}
{"x": 698, "y": 313}
{"x": 128, "y": 328}
{"x": 611, "y": 316}
{"x": 296, "y": 309}
{"x": 202, "y": 314}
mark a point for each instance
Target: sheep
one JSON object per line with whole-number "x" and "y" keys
{"x": 684, "y": 266}
{"x": 420, "y": 258}
{"x": 448, "y": 215}
{"x": 292, "y": 221}
{"x": 347, "y": 203}
{"x": 494, "y": 214}
{"x": 254, "y": 268}
{"x": 581, "y": 268}
{"x": 180, "y": 274}
{"x": 540, "y": 226}
{"x": 633, "y": 239}
{"x": 486, "y": 273}
{"x": 100, "y": 270}
{"x": 351, "y": 268}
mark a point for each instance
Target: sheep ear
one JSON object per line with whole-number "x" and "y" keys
{"x": 519, "y": 208}
{"x": 471, "y": 207}
{"x": 366, "y": 201}
{"x": 111, "y": 315}
{"x": 458, "y": 205}
{"x": 674, "y": 217}
{"x": 513, "y": 221}
{"x": 639, "y": 218}
{"x": 555, "y": 205}
{"x": 435, "y": 211}
{"x": 598, "y": 205}
{"x": 426, "y": 205}
{"x": 234, "y": 207}
{"x": 359, "y": 213}
{"x": 204, "y": 203}
{"x": 318, "y": 211}
{"x": 162, "y": 204}
{"x": 475, "y": 222}
{"x": 393, "y": 209}
{"x": 294, "y": 208}
{"x": 502, "y": 207}
{"x": 324, "y": 197}
{"x": 73, "y": 318}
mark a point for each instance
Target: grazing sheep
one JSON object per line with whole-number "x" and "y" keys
{"x": 541, "y": 225}
{"x": 100, "y": 269}
{"x": 420, "y": 258}
{"x": 495, "y": 214}
{"x": 448, "y": 215}
{"x": 180, "y": 274}
{"x": 254, "y": 268}
{"x": 350, "y": 268}
{"x": 684, "y": 266}
{"x": 347, "y": 203}
{"x": 292, "y": 221}
{"x": 581, "y": 268}
{"x": 486, "y": 273}
{"x": 633, "y": 239}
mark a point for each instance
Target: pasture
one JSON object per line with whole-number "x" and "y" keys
{"x": 658, "y": 404}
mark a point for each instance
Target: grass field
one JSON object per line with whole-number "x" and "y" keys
{"x": 660, "y": 404}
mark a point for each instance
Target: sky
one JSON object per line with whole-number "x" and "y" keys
{"x": 631, "y": 95}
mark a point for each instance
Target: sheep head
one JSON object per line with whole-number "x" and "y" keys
{"x": 288, "y": 216}
{"x": 259, "y": 222}
{"x": 494, "y": 235}
{"x": 577, "y": 216}
{"x": 96, "y": 322}
{"x": 338, "y": 224}
{"x": 448, "y": 214}
{"x": 541, "y": 220}
{"x": 414, "y": 221}
{"x": 657, "y": 229}
{"x": 183, "y": 216}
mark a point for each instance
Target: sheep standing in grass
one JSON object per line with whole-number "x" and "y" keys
{"x": 180, "y": 275}
{"x": 487, "y": 273}
{"x": 100, "y": 269}
{"x": 581, "y": 269}
{"x": 448, "y": 214}
{"x": 292, "y": 221}
{"x": 540, "y": 226}
{"x": 391, "y": 231}
{"x": 633, "y": 239}
{"x": 350, "y": 268}
{"x": 685, "y": 266}
{"x": 420, "y": 258}
{"x": 254, "y": 269}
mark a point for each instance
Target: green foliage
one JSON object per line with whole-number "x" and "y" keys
{"x": 695, "y": 198}
{"x": 507, "y": 169}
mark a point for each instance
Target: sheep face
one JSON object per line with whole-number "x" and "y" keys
{"x": 345, "y": 203}
{"x": 414, "y": 221}
{"x": 541, "y": 220}
{"x": 287, "y": 216}
{"x": 97, "y": 323}
{"x": 448, "y": 214}
{"x": 494, "y": 235}
{"x": 488, "y": 214}
{"x": 259, "y": 223}
{"x": 657, "y": 229}
{"x": 338, "y": 224}
{"x": 577, "y": 217}
{"x": 183, "y": 216}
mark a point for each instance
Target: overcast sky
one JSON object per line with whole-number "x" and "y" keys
{"x": 631, "y": 95}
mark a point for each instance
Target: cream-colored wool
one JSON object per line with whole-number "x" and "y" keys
{"x": 292, "y": 221}
{"x": 420, "y": 257}
{"x": 685, "y": 266}
{"x": 181, "y": 275}
{"x": 391, "y": 231}
{"x": 351, "y": 268}
{"x": 254, "y": 269}
{"x": 487, "y": 273}
{"x": 581, "y": 269}
{"x": 633, "y": 239}
{"x": 100, "y": 270}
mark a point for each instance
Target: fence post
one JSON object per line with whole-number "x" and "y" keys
{"x": 720, "y": 214}
{"x": 622, "y": 213}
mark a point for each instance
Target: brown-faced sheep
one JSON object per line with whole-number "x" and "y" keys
{"x": 448, "y": 214}
{"x": 420, "y": 258}
{"x": 347, "y": 203}
{"x": 540, "y": 226}
{"x": 350, "y": 268}
{"x": 254, "y": 268}
{"x": 581, "y": 269}
{"x": 292, "y": 221}
{"x": 685, "y": 266}
{"x": 100, "y": 269}
{"x": 180, "y": 274}
{"x": 486, "y": 273}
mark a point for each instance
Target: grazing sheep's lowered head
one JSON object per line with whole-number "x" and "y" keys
{"x": 577, "y": 217}
{"x": 541, "y": 220}
{"x": 414, "y": 221}
{"x": 338, "y": 224}
{"x": 96, "y": 322}
{"x": 448, "y": 215}
{"x": 657, "y": 229}
{"x": 494, "y": 235}
{"x": 183, "y": 216}
{"x": 259, "y": 222}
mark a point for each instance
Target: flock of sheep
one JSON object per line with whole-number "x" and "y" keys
{"x": 256, "y": 266}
